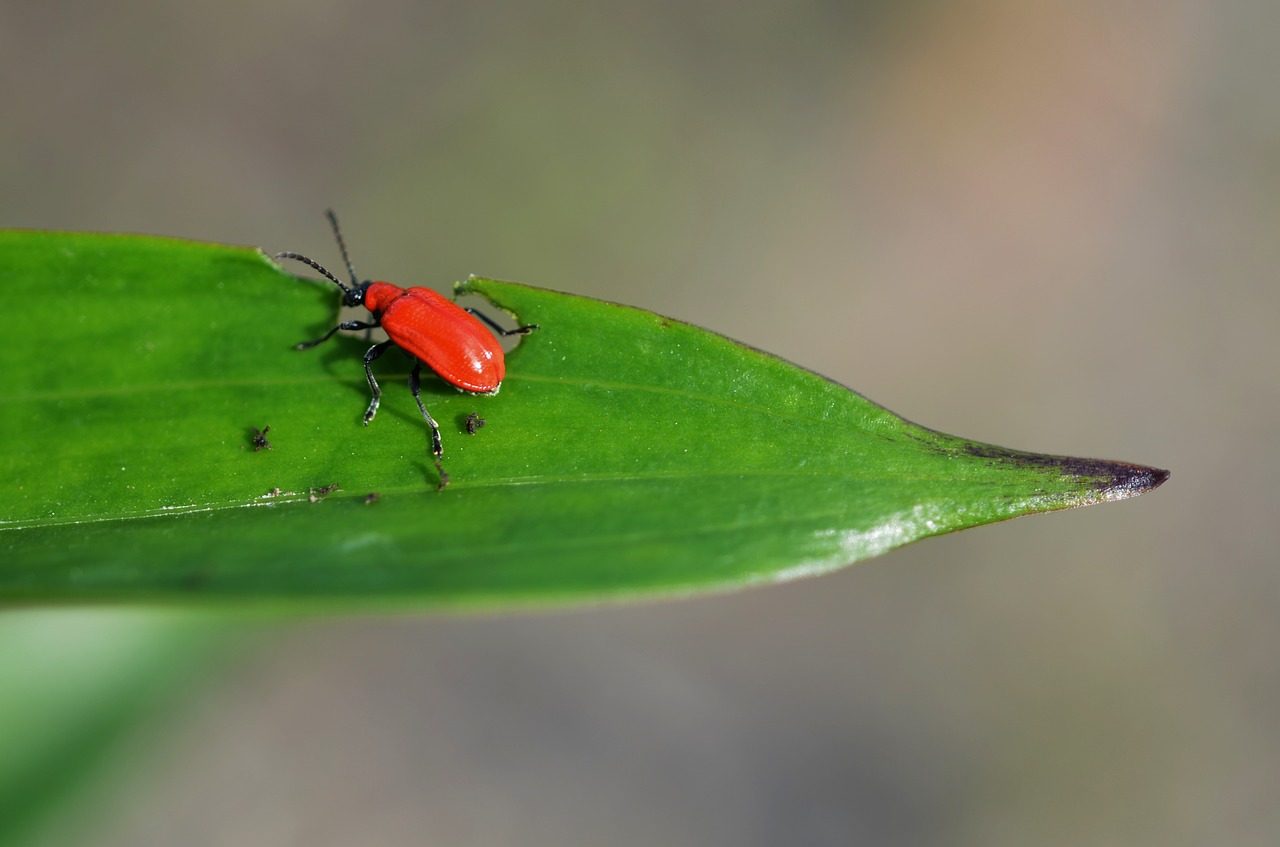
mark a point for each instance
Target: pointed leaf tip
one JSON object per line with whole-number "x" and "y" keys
{"x": 1103, "y": 480}
{"x": 1116, "y": 480}
{"x": 1132, "y": 480}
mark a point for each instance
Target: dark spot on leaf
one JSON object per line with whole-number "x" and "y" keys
{"x": 258, "y": 438}
{"x": 196, "y": 580}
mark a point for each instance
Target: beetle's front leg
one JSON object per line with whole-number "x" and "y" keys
{"x": 344, "y": 325}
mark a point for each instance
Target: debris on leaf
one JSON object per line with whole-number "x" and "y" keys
{"x": 259, "y": 438}
{"x": 315, "y": 495}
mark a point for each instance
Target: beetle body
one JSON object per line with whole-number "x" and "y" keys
{"x": 430, "y": 328}
{"x": 441, "y": 334}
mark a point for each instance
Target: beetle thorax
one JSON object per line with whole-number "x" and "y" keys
{"x": 378, "y": 295}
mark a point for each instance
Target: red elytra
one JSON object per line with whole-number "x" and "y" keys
{"x": 441, "y": 334}
{"x": 429, "y": 327}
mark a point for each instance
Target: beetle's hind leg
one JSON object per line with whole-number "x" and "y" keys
{"x": 493, "y": 325}
{"x": 415, "y": 387}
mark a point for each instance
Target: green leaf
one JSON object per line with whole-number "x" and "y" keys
{"x": 627, "y": 453}
{"x": 74, "y": 682}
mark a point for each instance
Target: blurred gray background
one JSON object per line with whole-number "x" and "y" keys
{"x": 1049, "y": 225}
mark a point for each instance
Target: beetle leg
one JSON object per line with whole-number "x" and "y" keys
{"x": 415, "y": 387}
{"x": 344, "y": 325}
{"x": 374, "y": 352}
{"x": 493, "y": 325}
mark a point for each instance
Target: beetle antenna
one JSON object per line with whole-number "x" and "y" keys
{"x": 298, "y": 257}
{"x": 342, "y": 245}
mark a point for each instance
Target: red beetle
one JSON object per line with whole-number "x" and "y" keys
{"x": 428, "y": 326}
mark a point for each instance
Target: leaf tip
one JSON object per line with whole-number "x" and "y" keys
{"x": 1096, "y": 480}
{"x": 1116, "y": 480}
{"x": 1139, "y": 479}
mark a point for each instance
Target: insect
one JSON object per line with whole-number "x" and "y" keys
{"x": 427, "y": 326}
{"x": 259, "y": 438}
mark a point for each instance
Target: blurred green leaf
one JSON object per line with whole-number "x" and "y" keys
{"x": 626, "y": 454}
{"x": 74, "y": 682}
